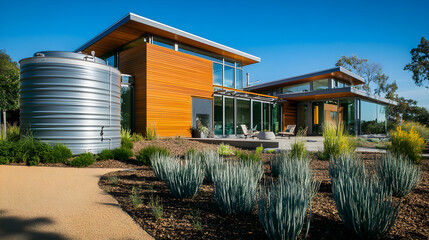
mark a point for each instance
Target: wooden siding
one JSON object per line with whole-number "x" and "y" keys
{"x": 289, "y": 114}
{"x": 173, "y": 78}
{"x": 133, "y": 61}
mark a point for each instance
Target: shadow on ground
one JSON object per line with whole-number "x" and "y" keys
{"x": 22, "y": 228}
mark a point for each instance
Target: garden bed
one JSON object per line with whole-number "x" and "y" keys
{"x": 180, "y": 221}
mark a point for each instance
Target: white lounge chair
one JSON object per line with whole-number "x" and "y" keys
{"x": 290, "y": 131}
{"x": 247, "y": 133}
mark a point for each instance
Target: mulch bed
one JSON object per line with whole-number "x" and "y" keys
{"x": 179, "y": 223}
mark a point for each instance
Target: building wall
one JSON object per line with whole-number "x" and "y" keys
{"x": 289, "y": 114}
{"x": 133, "y": 61}
{"x": 172, "y": 79}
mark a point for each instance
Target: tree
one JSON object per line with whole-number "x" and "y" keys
{"x": 9, "y": 84}
{"x": 419, "y": 65}
{"x": 371, "y": 72}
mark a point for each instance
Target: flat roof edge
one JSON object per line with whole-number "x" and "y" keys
{"x": 137, "y": 18}
{"x": 307, "y": 75}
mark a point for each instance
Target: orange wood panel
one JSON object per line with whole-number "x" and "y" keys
{"x": 173, "y": 78}
{"x": 133, "y": 61}
{"x": 289, "y": 113}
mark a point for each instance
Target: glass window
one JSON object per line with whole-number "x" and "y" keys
{"x": 238, "y": 79}
{"x": 127, "y": 107}
{"x": 347, "y": 115}
{"x": 373, "y": 118}
{"x": 266, "y": 115}
{"x": 229, "y": 116}
{"x": 163, "y": 42}
{"x": 320, "y": 84}
{"x": 302, "y": 111}
{"x": 199, "y": 53}
{"x": 229, "y": 62}
{"x": 257, "y": 121}
{"x": 228, "y": 80}
{"x": 243, "y": 114}
{"x": 112, "y": 60}
{"x": 275, "y": 118}
{"x": 303, "y": 87}
{"x": 218, "y": 115}
{"x": 217, "y": 74}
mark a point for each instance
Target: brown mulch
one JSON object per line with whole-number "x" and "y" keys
{"x": 178, "y": 223}
{"x": 177, "y": 146}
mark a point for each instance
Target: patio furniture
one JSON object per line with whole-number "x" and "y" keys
{"x": 290, "y": 131}
{"x": 247, "y": 133}
{"x": 266, "y": 136}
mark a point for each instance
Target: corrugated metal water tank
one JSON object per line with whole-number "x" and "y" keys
{"x": 72, "y": 98}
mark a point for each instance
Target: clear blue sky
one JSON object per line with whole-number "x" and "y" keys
{"x": 291, "y": 37}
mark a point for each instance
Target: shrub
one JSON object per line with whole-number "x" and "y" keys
{"x": 44, "y": 151}
{"x": 33, "y": 160}
{"x": 160, "y": 163}
{"x": 4, "y": 160}
{"x": 61, "y": 153}
{"x": 236, "y": 186}
{"x": 364, "y": 205}
{"x": 83, "y": 160}
{"x": 282, "y": 209}
{"x": 106, "y": 154}
{"x": 127, "y": 143}
{"x": 145, "y": 154}
{"x": 398, "y": 174}
{"x": 12, "y": 133}
{"x": 259, "y": 149}
{"x": 225, "y": 149}
{"x": 151, "y": 133}
{"x": 408, "y": 143}
{"x": 299, "y": 150}
{"x": 212, "y": 162}
{"x": 125, "y": 134}
{"x": 137, "y": 137}
{"x": 420, "y": 128}
{"x": 122, "y": 154}
{"x": 248, "y": 156}
{"x": 135, "y": 197}
{"x": 336, "y": 142}
{"x": 184, "y": 178}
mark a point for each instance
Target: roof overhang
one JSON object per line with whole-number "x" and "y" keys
{"x": 226, "y": 91}
{"x": 335, "y": 93}
{"x": 337, "y": 72}
{"x": 133, "y": 26}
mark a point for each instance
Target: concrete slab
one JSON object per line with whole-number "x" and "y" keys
{"x": 60, "y": 203}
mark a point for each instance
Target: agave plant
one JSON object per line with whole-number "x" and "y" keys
{"x": 184, "y": 178}
{"x": 212, "y": 162}
{"x": 364, "y": 204}
{"x": 398, "y": 174}
{"x": 282, "y": 209}
{"x": 236, "y": 186}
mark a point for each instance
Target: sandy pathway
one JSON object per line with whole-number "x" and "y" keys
{"x": 60, "y": 203}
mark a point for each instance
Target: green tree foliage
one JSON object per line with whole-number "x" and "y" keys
{"x": 372, "y": 73}
{"x": 409, "y": 111}
{"x": 419, "y": 65}
{"x": 9, "y": 82}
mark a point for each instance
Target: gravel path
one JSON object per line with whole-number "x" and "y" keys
{"x": 60, "y": 203}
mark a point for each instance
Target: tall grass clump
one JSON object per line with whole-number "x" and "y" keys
{"x": 336, "y": 142}
{"x": 184, "y": 178}
{"x": 282, "y": 209}
{"x": 145, "y": 154}
{"x": 298, "y": 148}
{"x": 212, "y": 163}
{"x": 398, "y": 174}
{"x": 225, "y": 149}
{"x": 365, "y": 206}
{"x": 420, "y": 128}
{"x": 249, "y": 156}
{"x": 236, "y": 186}
{"x": 135, "y": 197}
{"x": 151, "y": 133}
{"x": 12, "y": 132}
{"x": 160, "y": 164}
{"x": 408, "y": 143}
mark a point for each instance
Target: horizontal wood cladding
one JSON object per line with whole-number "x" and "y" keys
{"x": 133, "y": 61}
{"x": 173, "y": 78}
{"x": 289, "y": 113}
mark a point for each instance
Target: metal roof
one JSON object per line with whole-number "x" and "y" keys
{"x": 339, "y": 71}
{"x": 131, "y": 17}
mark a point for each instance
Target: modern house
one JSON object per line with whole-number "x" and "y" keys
{"x": 174, "y": 79}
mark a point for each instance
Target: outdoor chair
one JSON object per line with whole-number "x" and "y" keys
{"x": 290, "y": 131}
{"x": 247, "y": 133}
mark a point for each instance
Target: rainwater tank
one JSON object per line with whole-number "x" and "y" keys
{"x": 71, "y": 98}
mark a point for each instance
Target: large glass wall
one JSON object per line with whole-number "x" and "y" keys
{"x": 266, "y": 116}
{"x": 303, "y": 87}
{"x": 243, "y": 114}
{"x": 302, "y": 115}
{"x": 218, "y": 115}
{"x": 228, "y": 79}
{"x": 324, "y": 112}
{"x": 347, "y": 115}
{"x": 275, "y": 117}
{"x": 373, "y": 118}
{"x": 320, "y": 84}
{"x": 229, "y": 116}
{"x": 257, "y": 116}
{"x": 217, "y": 74}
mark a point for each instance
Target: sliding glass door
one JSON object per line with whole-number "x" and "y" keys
{"x": 229, "y": 116}
{"x": 218, "y": 115}
{"x": 243, "y": 114}
{"x": 257, "y": 116}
